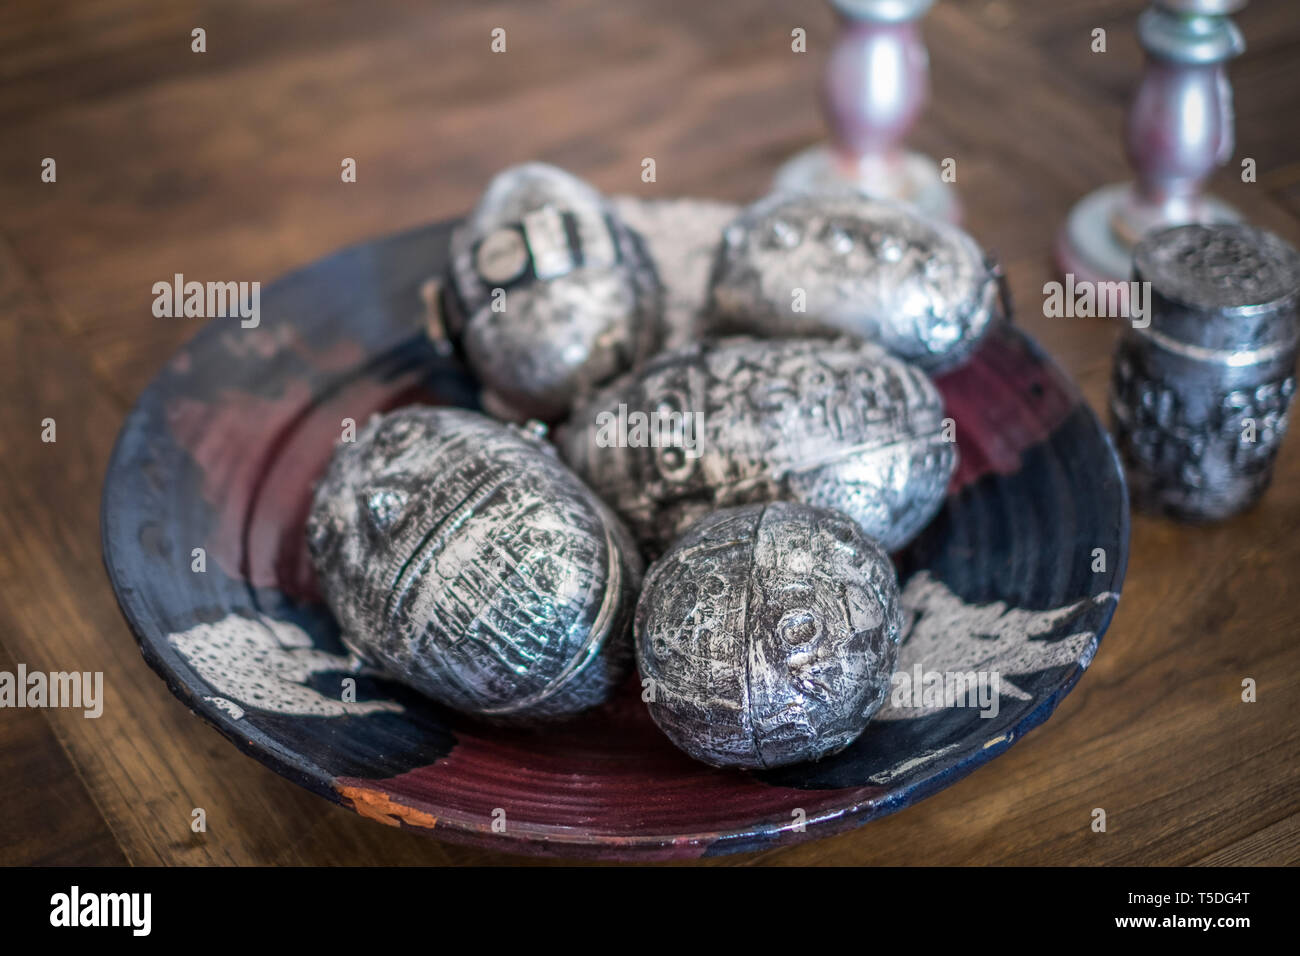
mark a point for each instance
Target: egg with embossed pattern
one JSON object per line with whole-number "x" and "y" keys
{"x": 838, "y": 262}
{"x": 463, "y": 558}
{"x": 549, "y": 293}
{"x": 767, "y": 635}
{"x": 833, "y": 423}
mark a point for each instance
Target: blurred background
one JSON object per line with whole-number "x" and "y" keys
{"x": 226, "y": 164}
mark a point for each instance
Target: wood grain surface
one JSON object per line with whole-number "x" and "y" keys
{"x": 225, "y": 165}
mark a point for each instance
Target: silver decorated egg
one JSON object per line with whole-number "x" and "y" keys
{"x": 460, "y": 556}
{"x": 838, "y": 262}
{"x": 548, "y": 293}
{"x": 767, "y": 635}
{"x": 840, "y": 424}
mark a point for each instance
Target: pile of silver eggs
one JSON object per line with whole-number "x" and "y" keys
{"x": 766, "y": 463}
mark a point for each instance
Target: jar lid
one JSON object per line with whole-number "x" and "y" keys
{"x": 1218, "y": 267}
{"x": 1223, "y": 286}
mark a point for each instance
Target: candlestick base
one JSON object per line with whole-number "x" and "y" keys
{"x": 1091, "y": 247}
{"x": 912, "y": 178}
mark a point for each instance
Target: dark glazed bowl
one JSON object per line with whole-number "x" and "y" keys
{"x": 221, "y": 451}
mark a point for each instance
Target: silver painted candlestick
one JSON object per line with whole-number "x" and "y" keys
{"x": 1179, "y": 131}
{"x": 877, "y": 81}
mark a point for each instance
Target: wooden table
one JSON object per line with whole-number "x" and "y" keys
{"x": 226, "y": 164}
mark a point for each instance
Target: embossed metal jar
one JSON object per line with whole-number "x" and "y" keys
{"x": 836, "y": 423}
{"x": 549, "y": 293}
{"x": 837, "y": 262}
{"x": 767, "y": 635}
{"x": 460, "y": 556}
{"x": 1199, "y": 397}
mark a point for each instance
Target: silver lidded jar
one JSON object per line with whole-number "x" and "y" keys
{"x": 548, "y": 293}
{"x": 461, "y": 557}
{"x": 1199, "y": 395}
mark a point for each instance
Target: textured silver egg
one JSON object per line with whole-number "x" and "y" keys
{"x": 767, "y": 635}
{"x": 836, "y": 423}
{"x": 548, "y": 293}
{"x": 833, "y": 263}
{"x": 461, "y": 556}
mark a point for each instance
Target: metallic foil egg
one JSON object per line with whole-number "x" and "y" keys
{"x": 838, "y": 262}
{"x": 461, "y": 557}
{"x": 840, "y": 424}
{"x": 767, "y": 635}
{"x": 548, "y": 293}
